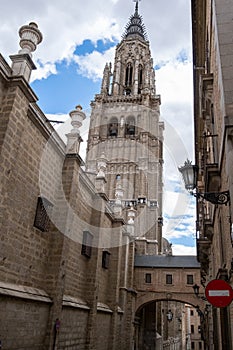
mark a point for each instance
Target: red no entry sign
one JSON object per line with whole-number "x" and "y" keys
{"x": 219, "y": 293}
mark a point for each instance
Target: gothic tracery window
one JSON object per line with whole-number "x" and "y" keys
{"x": 139, "y": 78}
{"x": 128, "y": 78}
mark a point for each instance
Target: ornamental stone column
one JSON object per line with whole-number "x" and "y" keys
{"x": 131, "y": 214}
{"x": 22, "y": 64}
{"x": 100, "y": 180}
{"x": 73, "y": 138}
{"x": 119, "y": 193}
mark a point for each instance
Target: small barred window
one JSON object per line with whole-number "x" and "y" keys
{"x": 43, "y": 211}
{"x": 168, "y": 279}
{"x": 189, "y": 279}
{"x": 87, "y": 244}
{"x": 105, "y": 259}
{"x": 148, "y": 278}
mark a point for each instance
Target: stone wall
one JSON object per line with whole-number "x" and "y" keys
{"x": 103, "y": 331}
{"x": 23, "y": 323}
{"x": 73, "y": 328}
{"x": 67, "y": 283}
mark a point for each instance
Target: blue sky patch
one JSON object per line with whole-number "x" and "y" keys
{"x": 182, "y": 56}
{"x": 60, "y": 93}
{"x": 160, "y": 65}
{"x": 185, "y": 240}
{"x": 88, "y": 46}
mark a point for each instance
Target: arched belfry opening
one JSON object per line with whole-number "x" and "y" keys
{"x": 113, "y": 127}
{"x": 130, "y": 126}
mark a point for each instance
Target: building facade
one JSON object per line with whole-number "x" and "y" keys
{"x": 213, "y": 118}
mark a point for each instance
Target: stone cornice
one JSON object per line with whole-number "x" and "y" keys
{"x": 24, "y": 292}
{"x": 26, "y": 57}
{"x": 134, "y": 99}
{"x": 24, "y": 86}
{"x": 6, "y": 73}
{"x": 20, "y": 81}
{"x": 75, "y": 156}
{"x": 5, "y": 69}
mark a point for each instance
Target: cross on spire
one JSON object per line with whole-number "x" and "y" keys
{"x": 136, "y": 6}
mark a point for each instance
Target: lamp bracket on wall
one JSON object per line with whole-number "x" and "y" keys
{"x": 214, "y": 197}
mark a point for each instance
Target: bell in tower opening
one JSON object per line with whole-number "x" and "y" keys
{"x": 113, "y": 128}
{"x": 130, "y": 127}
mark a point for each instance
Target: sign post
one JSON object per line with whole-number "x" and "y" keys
{"x": 219, "y": 293}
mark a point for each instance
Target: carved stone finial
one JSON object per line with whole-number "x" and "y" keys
{"x": 73, "y": 138}
{"x": 119, "y": 193}
{"x": 30, "y": 37}
{"x": 79, "y": 107}
{"x": 22, "y": 64}
{"x": 101, "y": 165}
{"x": 131, "y": 215}
{"x": 77, "y": 117}
{"x": 100, "y": 180}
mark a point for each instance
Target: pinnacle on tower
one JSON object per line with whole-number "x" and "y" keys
{"x": 135, "y": 26}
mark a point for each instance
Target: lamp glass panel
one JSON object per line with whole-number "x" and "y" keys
{"x": 188, "y": 173}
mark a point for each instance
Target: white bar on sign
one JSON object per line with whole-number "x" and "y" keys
{"x": 219, "y": 293}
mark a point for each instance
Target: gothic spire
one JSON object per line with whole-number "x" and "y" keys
{"x": 135, "y": 26}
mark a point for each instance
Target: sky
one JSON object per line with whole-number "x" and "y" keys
{"x": 78, "y": 39}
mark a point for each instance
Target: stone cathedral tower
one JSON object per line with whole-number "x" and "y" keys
{"x": 125, "y": 143}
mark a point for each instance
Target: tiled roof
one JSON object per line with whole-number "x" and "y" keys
{"x": 170, "y": 261}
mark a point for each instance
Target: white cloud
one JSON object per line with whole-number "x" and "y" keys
{"x": 91, "y": 65}
{"x": 179, "y": 249}
{"x": 174, "y": 83}
{"x": 43, "y": 71}
{"x": 66, "y": 24}
{"x": 179, "y": 214}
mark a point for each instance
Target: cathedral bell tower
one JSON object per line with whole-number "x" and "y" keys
{"x": 125, "y": 130}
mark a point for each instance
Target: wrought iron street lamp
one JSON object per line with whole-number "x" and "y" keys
{"x": 196, "y": 289}
{"x": 169, "y": 315}
{"x": 189, "y": 173}
{"x": 199, "y": 312}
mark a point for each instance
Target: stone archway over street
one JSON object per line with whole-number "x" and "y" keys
{"x": 168, "y": 312}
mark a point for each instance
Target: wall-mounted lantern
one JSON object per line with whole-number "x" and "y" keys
{"x": 189, "y": 173}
